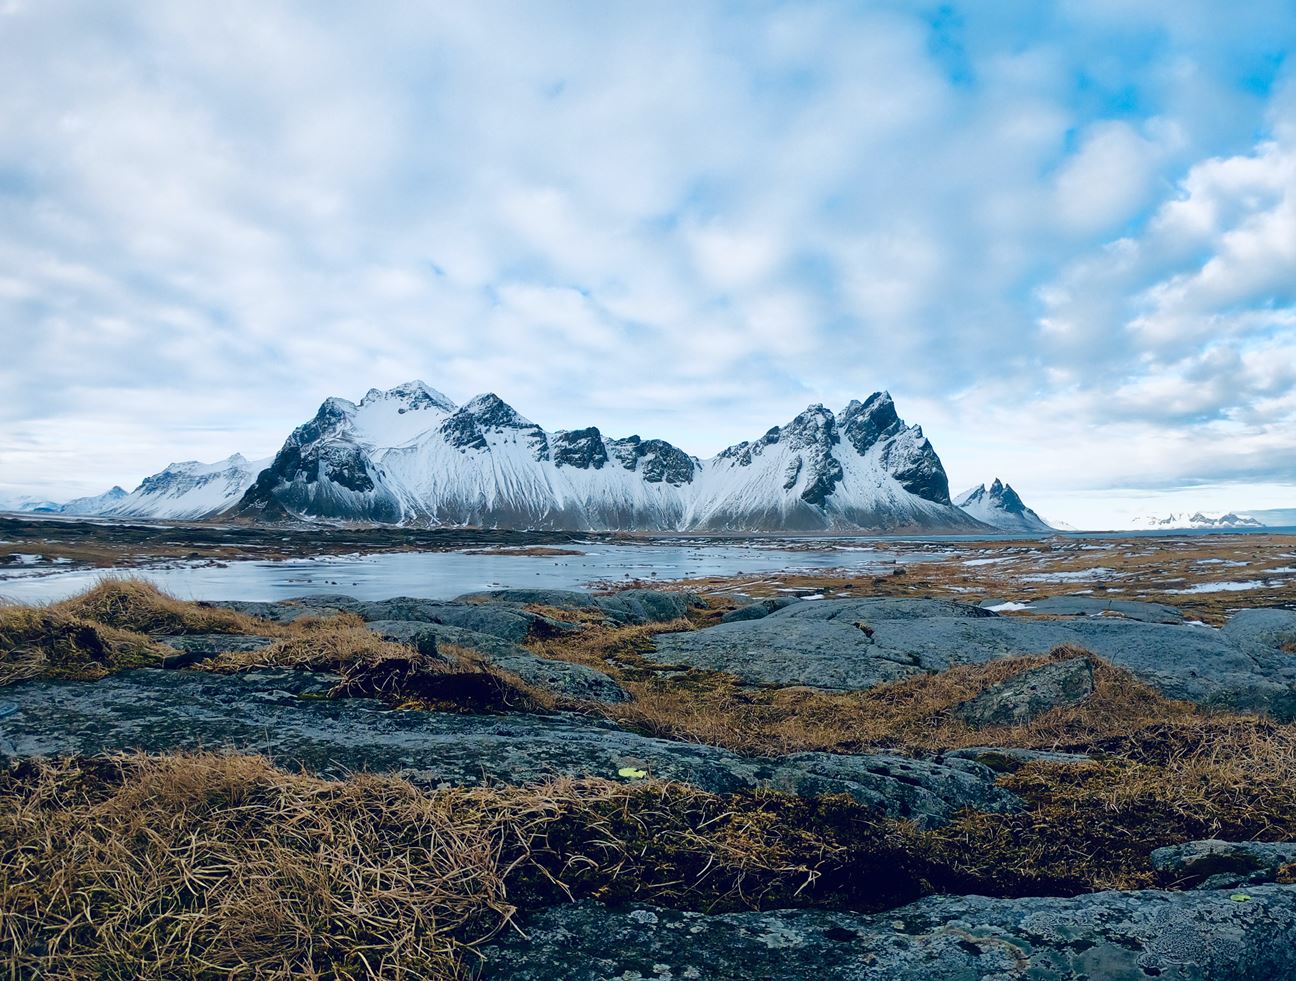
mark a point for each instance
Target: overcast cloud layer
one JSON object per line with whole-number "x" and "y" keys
{"x": 1063, "y": 236}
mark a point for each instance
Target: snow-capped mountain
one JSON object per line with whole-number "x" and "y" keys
{"x": 190, "y": 490}
{"x": 1183, "y": 519}
{"x": 27, "y": 504}
{"x": 1001, "y": 507}
{"x": 99, "y": 504}
{"x": 862, "y": 469}
{"x": 410, "y": 455}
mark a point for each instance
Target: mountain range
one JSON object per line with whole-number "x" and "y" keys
{"x": 409, "y": 455}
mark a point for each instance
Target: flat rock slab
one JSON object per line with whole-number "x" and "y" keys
{"x": 758, "y": 610}
{"x": 854, "y": 645}
{"x": 265, "y": 712}
{"x": 568, "y": 680}
{"x": 1090, "y": 606}
{"x": 1110, "y": 936}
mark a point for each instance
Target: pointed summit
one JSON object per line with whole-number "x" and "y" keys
{"x": 1000, "y": 506}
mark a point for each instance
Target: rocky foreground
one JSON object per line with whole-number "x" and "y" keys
{"x": 971, "y": 786}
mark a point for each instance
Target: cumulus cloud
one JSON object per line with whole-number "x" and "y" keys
{"x": 1048, "y": 229}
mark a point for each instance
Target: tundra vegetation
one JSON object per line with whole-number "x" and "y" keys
{"x": 210, "y": 864}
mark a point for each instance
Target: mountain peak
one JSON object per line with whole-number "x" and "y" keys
{"x": 414, "y": 394}
{"x": 493, "y": 411}
{"x": 1001, "y": 506}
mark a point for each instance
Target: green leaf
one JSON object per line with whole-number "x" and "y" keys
{"x": 632, "y": 773}
{"x": 1240, "y": 897}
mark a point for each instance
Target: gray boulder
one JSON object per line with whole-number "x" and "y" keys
{"x": 1030, "y": 694}
{"x": 265, "y": 712}
{"x": 1267, "y": 630}
{"x": 758, "y": 609}
{"x": 857, "y": 644}
{"x": 286, "y": 611}
{"x": 501, "y": 621}
{"x": 576, "y": 681}
{"x": 647, "y": 605}
{"x": 1224, "y": 864}
{"x": 1112, "y": 936}
{"x": 1009, "y": 759}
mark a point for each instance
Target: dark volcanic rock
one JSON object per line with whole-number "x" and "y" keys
{"x": 557, "y": 677}
{"x": 562, "y": 599}
{"x": 263, "y": 712}
{"x": 1109, "y": 936}
{"x": 1030, "y": 694}
{"x": 581, "y": 448}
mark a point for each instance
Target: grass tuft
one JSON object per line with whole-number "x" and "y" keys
{"x": 139, "y": 606}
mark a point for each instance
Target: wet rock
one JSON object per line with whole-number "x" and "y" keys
{"x": 758, "y": 609}
{"x": 576, "y": 681}
{"x": 265, "y": 712}
{"x": 192, "y": 648}
{"x": 1030, "y": 694}
{"x": 1224, "y": 864}
{"x": 1113, "y": 936}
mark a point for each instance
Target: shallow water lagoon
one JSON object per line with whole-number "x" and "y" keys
{"x": 443, "y": 575}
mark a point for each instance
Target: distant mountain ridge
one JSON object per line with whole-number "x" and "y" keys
{"x": 410, "y": 455}
{"x": 1001, "y": 507}
{"x": 1195, "y": 519}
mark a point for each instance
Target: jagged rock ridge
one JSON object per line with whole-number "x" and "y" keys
{"x": 1001, "y": 507}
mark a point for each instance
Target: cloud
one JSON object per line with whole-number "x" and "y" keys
{"x": 1033, "y": 224}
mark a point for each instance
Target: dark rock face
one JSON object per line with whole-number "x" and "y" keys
{"x": 1193, "y": 936}
{"x": 314, "y": 463}
{"x": 264, "y": 712}
{"x": 656, "y": 459}
{"x": 467, "y": 428}
{"x": 819, "y": 644}
{"x": 814, "y": 432}
{"x": 914, "y": 464}
{"x": 866, "y": 424}
{"x": 1030, "y": 694}
{"x": 582, "y": 448}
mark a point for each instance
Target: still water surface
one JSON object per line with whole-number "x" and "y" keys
{"x": 443, "y": 575}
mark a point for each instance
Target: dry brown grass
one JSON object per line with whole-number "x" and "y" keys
{"x": 1092, "y": 825}
{"x": 137, "y": 605}
{"x": 49, "y": 642}
{"x": 200, "y": 865}
{"x": 369, "y": 666}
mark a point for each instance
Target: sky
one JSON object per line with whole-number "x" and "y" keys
{"x": 1062, "y": 235}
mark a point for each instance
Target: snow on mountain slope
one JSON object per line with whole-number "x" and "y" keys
{"x": 190, "y": 489}
{"x": 409, "y": 455}
{"x": 98, "y": 504}
{"x": 864, "y": 469}
{"x": 1001, "y": 507}
{"x": 1183, "y": 519}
